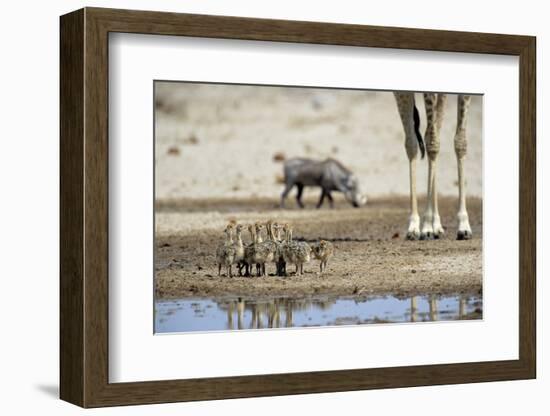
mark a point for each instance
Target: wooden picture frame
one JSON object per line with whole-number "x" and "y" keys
{"x": 84, "y": 207}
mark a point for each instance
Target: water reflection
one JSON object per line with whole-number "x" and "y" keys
{"x": 414, "y": 309}
{"x": 214, "y": 314}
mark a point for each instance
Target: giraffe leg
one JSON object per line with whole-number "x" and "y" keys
{"x": 461, "y": 144}
{"x": 427, "y": 232}
{"x": 438, "y": 228}
{"x": 435, "y": 109}
{"x": 405, "y": 105}
{"x": 413, "y": 229}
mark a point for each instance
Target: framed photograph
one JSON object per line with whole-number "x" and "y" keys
{"x": 255, "y": 207}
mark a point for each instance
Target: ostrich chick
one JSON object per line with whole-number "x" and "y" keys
{"x": 267, "y": 251}
{"x": 250, "y": 252}
{"x": 279, "y": 256}
{"x": 295, "y": 252}
{"x": 322, "y": 252}
{"x": 225, "y": 253}
{"x": 239, "y": 248}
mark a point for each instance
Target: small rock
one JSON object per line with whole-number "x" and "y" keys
{"x": 413, "y": 271}
{"x": 191, "y": 140}
{"x": 279, "y": 157}
{"x": 173, "y": 151}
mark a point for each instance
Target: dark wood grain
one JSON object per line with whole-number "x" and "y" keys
{"x": 96, "y": 220}
{"x": 227, "y": 27}
{"x": 71, "y": 100}
{"x": 527, "y": 208}
{"x": 84, "y": 206}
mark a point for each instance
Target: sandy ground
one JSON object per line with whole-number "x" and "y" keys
{"x": 218, "y": 152}
{"x": 372, "y": 257}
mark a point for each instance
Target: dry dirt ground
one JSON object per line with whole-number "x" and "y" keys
{"x": 371, "y": 258}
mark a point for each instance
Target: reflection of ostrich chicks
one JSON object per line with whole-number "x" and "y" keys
{"x": 322, "y": 252}
{"x": 225, "y": 253}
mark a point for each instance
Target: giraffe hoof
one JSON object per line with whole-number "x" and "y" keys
{"x": 427, "y": 236}
{"x": 463, "y": 235}
{"x": 412, "y": 236}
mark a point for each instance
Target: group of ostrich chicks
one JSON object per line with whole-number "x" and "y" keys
{"x": 278, "y": 248}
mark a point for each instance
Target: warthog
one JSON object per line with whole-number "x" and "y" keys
{"x": 330, "y": 175}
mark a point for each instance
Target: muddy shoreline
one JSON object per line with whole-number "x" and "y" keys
{"x": 372, "y": 258}
{"x": 176, "y": 285}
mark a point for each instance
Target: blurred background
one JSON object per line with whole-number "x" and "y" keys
{"x": 225, "y": 141}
